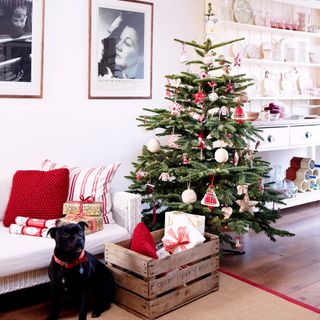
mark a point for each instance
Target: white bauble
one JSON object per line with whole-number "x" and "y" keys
{"x": 213, "y": 96}
{"x": 221, "y": 155}
{"x": 189, "y": 196}
{"x": 153, "y": 145}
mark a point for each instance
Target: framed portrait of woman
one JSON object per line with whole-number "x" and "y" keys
{"x": 21, "y": 48}
{"x": 120, "y": 49}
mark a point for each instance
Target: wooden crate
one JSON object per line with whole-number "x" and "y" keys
{"x": 150, "y": 288}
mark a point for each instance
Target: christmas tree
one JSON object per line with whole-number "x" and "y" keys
{"x": 208, "y": 163}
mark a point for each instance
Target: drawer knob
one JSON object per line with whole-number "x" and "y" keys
{"x": 308, "y": 134}
{"x": 270, "y": 138}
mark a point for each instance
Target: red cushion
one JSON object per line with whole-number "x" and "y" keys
{"x": 37, "y": 194}
{"x": 142, "y": 241}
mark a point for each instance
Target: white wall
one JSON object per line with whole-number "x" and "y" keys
{"x": 65, "y": 126}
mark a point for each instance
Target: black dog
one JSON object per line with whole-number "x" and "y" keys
{"x": 76, "y": 272}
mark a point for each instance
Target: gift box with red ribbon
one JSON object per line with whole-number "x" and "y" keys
{"x": 95, "y": 223}
{"x": 182, "y": 235}
{"x": 86, "y": 206}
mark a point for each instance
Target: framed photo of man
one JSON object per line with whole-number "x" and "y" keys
{"x": 21, "y": 48}
{"x": 120, "y": 49}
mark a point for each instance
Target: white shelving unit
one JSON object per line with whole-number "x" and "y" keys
{"x": 286, "y": 136}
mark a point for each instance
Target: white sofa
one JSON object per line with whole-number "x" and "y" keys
{"x": 24, "y": 259}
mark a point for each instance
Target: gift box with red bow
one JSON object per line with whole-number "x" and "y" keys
{"x": 182, "y": 235}
{"x": 86, "y": 206}
{"x": 95, "y": 223}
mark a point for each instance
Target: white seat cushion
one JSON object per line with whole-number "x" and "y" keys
{"x": 19, "y": 253}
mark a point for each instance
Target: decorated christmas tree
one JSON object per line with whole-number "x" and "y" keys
{"x": 206, "y": 162}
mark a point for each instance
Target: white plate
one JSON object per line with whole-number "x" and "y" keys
{"x": 243, "y": 11}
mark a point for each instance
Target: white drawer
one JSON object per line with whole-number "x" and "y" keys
{"x": 304, "y": 135}
{"x": 274, "y": 138}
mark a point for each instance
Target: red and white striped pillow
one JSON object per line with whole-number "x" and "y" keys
{"x": 89, "y": 182}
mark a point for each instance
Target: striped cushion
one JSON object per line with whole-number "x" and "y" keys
{"x": 89, "y": 182}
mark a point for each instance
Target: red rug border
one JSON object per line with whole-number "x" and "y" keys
{"x": 276, "y": 293}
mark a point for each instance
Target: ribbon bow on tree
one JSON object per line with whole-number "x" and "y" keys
{"x": 180, "y": 240}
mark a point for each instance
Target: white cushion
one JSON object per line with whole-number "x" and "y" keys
{"x": 19, "y": 253}
{"x": 88, "y": 182}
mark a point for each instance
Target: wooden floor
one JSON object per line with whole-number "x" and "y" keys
{"x": 289, "y": 265}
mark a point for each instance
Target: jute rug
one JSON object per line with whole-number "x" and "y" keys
{"x": 235, "y": 300}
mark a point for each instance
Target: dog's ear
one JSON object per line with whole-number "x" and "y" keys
{"x": 83, "y": 225}
{"x": 52, "y": 232}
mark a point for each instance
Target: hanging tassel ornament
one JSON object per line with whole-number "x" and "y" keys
{"x": 210, "y": 199}
{"x": 201, "y": 145}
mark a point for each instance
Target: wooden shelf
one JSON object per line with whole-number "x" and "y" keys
{"x": 244, "y": 26}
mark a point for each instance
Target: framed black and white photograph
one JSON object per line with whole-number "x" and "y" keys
{"x": 120, "y": 49}
{"x": 21, "y": 48}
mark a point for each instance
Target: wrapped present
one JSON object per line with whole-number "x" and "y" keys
{"x": 95, "y": 223}
{"x": 181, "y": 236}
{"x": 38, "y": 223}
{"x": 172, "y": 217}
{"x": 86, "y": 206}
{"x": 29, "y": 231}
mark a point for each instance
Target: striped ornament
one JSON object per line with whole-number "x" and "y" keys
{"x": 87, "y": 182}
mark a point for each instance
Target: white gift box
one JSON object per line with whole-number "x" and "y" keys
{"x": 182, "y": 235}
{"x": 173, "y": 217}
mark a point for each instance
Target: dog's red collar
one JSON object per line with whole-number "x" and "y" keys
{"x": 69, "y": 265}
